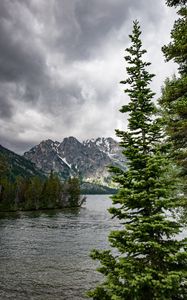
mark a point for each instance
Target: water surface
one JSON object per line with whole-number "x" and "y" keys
{"x": 45, "y": 255}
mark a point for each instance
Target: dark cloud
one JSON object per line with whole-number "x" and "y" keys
{"x": 21, "y": 58}
{"x": 6, "y": 108}
{"x": 60, "y": 64}
{"x": 85, "y": 25}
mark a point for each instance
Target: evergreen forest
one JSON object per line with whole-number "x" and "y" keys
{"x": 36, "y": 192}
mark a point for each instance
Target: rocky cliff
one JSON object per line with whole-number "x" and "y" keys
{"x": 88, "y": 159}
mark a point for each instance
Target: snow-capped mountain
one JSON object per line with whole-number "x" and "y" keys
{"x": 88, "y": 159}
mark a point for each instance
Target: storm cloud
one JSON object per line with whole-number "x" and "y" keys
{"x": 61, "y": 62}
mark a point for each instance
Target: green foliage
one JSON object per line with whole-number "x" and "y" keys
{"x": 71, "y": 192}
{"x": 149, "y": 262}
{"x": 4, "y": 168}
{"x": 174, "y": 93}
{"x": 35, "y": 193}
{"x": 74, "y": 190}
{"x": 177, "y": 48}
{"x": 174, "y": 111}
{"x": 51, "y": 192}
{"x": 175, "y": 2}
{"x": 7, "y": 194}
{"x": 16, "y": 165}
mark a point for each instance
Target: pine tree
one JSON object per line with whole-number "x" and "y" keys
{"x": 74, "y": 191}
{"x": 146, "y": 261}
{"x": 174, "y": 94}
{"x": 51, "y": 193}
{"x": 4, "y": 167}
{"x": 33, "y": 193}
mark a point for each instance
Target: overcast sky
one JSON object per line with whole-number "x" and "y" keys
{"x": 61, "y": 62}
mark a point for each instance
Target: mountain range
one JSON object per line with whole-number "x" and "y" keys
{"x": 88, "y": 159}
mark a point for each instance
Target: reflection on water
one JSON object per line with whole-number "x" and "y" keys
{"x": 45, "y": 255}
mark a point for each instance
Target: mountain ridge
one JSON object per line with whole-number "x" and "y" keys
{"x": 88, "y": 159}
{"x": 17, "y": 165}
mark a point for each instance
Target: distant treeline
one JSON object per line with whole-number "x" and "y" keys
{"x": 36, "y": 193}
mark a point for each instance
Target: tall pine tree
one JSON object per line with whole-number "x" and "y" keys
{"x": 148, "y": 262}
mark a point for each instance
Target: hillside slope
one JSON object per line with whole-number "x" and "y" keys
{"x": 18, "y": 165}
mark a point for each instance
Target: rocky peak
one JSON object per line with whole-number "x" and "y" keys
{"x": 72, "y": 151}
{"x": 69, "y": 143}
{"x": 71, "y": 157}
{"x": 105, "y": 145}
{"x": 44, "y": 147}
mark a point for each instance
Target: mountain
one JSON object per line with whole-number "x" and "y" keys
{"x": 110, "y": 147}
{"x": 18, "y": 165}
{"x": 88, "y": 160}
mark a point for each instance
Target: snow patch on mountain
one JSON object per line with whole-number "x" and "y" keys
{"x": 65, "y": 161}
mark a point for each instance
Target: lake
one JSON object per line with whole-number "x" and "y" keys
{"x": 45, "y": 255}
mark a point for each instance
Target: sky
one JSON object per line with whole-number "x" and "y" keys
{"x": 61, "y": 62}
